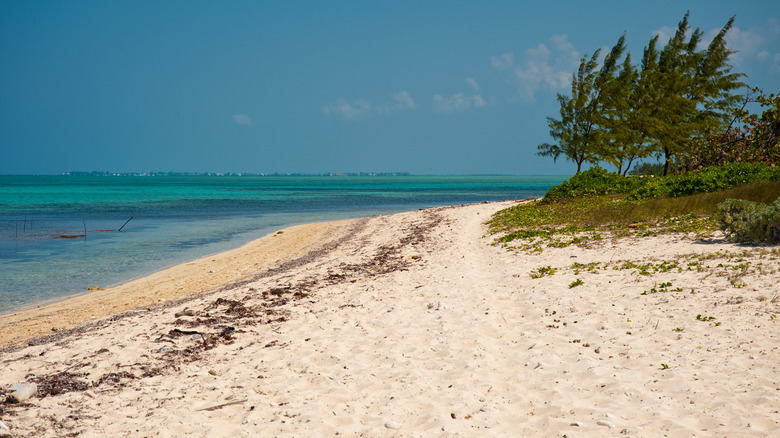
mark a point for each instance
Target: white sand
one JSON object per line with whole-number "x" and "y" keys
{"x": 415, "y": 321}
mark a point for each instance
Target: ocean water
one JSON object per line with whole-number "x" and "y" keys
{"x": 61, "y": 234}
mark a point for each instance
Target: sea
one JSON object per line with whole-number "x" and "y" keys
{"x": 60, "y": 234}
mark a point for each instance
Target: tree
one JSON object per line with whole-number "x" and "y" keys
{"x": 579, "y": 132}
{"x": 619, "y": 113}
{"x": 749, "y": 137}
{"x": 688, "y": 92}
{"x": 623, "y": 122}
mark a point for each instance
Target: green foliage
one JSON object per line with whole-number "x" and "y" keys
{"x": 710, "y": 179}
{"x": 598, "y": 181}
{"x": 542, "y": 271}
{"x": 647, "y": 169}
{"x": 750, "y": 222}
{"x": 594, "y": 201}
{"x": 707, "y": 319}
{"x": 594, "y": 181}
{"x": 579, "y": 132}
{"x": 575, "y": 283}
{"x": 751, "y": 138}
{"x": 663, "y": 287}
{"x": 618, "y": 113}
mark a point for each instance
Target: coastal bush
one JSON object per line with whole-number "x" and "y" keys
{"x": 575, "y": 213}
{"x": 594, "y": 181}
{"x": 710, "y": 179}
{"x": 750, "y": 222}
{"x": 599, "y": 181}
{"x": 647, "y": 169}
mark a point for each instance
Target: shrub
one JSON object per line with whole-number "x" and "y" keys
{"x": 750, "y": 222}
{"x": 647, "y": 169}
{"x": 594, "y": 181}
{"x": 706, "y": 180}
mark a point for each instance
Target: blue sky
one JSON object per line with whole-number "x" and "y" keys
{"x": 434, "y": 87}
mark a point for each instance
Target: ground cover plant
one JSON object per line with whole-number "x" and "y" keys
{"x": 591, "y": 203}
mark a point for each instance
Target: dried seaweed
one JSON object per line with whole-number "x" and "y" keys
{"x": 59, "y": 383}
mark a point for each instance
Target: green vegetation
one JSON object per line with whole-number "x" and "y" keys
{"x": 542, "y": 271}
{"x": 663, "y": 287}
{"x": 680, "y": 104}
{"x": 619, "y": 112}
{"x": 707, "y": 319}
{"x": 590, "y": 203}
{"x": 598, "y": 181}
{"x": 575, "y": 283}
{"x": 747, "y": 221}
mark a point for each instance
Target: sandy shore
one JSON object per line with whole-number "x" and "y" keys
{"x": 413, "y": 325}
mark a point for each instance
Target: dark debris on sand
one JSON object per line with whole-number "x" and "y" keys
{"x": 220, "y": 321}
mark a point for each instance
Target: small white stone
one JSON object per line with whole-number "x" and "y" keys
{"x": 441, "y": 306}
{"x": 609, "y": 424}
{"x": 576, "y": 423}
{"x": 393, "y": 425}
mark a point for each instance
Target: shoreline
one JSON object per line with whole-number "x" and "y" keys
{"x": 167, "y": 284}
{"x": 415, "y": 324}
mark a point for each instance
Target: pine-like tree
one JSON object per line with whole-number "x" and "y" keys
{"x": 580, "y": 131}
{"x": 618, "y": 113}
{"x": 688, "y": 92}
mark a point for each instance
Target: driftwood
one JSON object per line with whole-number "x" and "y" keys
{"x": 120, "y": 228}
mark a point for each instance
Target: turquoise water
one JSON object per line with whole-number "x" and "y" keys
{"x": 45, "y": 252}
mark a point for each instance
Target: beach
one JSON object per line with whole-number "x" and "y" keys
{"x": 414, "y": 324}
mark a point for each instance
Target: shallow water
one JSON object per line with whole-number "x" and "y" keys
{"x": 45, "y": 252}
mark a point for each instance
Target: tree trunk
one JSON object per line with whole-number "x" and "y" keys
{"x": 667, "y": 155}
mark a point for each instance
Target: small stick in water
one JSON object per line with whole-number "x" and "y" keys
{"x": 120, "y": 228}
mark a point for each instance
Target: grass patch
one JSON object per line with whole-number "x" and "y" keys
{"x": 577, "y": 215}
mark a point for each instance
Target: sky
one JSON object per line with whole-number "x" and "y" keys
{"x": 432, "y": 87}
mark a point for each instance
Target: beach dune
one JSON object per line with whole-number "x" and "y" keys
{"x": 413, "y": 324}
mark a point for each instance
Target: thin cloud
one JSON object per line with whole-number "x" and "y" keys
{"x": 545, "y": 66}
{"x": 361, "y": 109}
{"x": 402, "y": 101}
{"x": 242, "y": 119}
{"x": 357, "y": 109}
{"x": 456, "y": 103}
{"x": 759, "y": 44}
{"x": 503, "y": 62}
{"x": 664, "y": 34}
{"x": 472, "y": 83}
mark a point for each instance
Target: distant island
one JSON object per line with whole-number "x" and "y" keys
{"x": 99, "y": 173}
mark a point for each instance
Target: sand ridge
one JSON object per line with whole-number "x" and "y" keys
{"x": 415, "y": 325}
